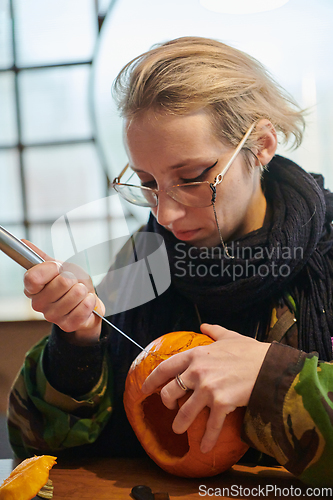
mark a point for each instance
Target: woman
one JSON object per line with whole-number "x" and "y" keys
{"x": 249, "y": 241}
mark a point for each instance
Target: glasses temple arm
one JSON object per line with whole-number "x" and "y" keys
{"x": 116, "y": 180}
{"x": 220, "y": 176}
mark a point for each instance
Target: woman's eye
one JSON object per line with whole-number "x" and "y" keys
{"x": 200, "y": 177}
{"x": 149, "y": 184}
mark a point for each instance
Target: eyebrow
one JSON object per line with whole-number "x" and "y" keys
{"x": 200, "y": 163}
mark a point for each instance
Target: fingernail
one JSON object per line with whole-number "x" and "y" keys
{"x": 204, "y": 448}
{"x": 59, "y": 266}
{"x": 92, "y": 295}
{"x": 68, "y": 275}
{"x": 28, "y": 290}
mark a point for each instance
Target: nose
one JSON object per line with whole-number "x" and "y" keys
{"x": 168, "y": 210}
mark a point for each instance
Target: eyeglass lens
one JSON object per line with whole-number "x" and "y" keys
{"x": 137, "y": 195}
{"x": 192, "y": 195}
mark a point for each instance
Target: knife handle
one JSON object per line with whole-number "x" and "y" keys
{"x": 17, "y": 250}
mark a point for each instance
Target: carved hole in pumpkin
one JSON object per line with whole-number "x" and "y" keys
{"x": 160, "y": 419}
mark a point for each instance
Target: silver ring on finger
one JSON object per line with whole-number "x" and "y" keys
{"x": 181, "y": 384}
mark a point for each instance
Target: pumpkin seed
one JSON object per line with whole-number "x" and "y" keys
{"x": 47, "y": 490}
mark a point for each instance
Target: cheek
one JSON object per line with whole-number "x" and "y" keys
{"x": 234, "y": 192}
{"x": 233, "y": 204}
{"x": 229, "y": 203}
{"x": 204, "y": 217}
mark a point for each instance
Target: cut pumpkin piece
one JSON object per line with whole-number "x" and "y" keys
{"x": 27, "y": 478}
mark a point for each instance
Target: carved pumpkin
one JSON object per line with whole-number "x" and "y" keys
{"x": 151, "y": 421}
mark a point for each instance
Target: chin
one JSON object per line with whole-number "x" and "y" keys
{"x": 213, "y": 241}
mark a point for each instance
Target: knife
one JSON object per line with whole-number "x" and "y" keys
{"x": 27, "y": 258}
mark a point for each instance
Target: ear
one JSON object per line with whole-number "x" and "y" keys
{"x": 267, "y": 141}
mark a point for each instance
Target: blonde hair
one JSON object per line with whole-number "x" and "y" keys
{"x": 192, "y": 73}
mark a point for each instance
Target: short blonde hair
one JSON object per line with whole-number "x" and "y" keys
{"x": 192, "y": 73}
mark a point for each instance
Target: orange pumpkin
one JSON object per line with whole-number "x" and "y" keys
{"x": 151, "y": 421}
{"x": 27, "y": 478}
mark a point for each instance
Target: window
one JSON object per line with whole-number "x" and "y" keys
{"x": 49, "y": 162}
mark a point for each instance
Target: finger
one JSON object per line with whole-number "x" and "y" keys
{"x": 79, "y": 273}
{"x": 213, "y": 429}
{"x": 99, "y": 306}
{"x": 53, "y": 291}
{"x": 216, "y": 332}
{"x": 165, "y": 371}
{"x": 82, "y": 316}
{"x": 65, "y": 304}
{"x": 73, "y": 310}
{"x": 171, "y": 392}
{"x": 38, "y": 276}
{"x": 37, "y": 250}
{"x": 188, "y": 412}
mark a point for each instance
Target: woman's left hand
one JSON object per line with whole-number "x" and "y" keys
{"x": 222, "y": 376}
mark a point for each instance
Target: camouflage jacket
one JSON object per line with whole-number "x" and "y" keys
{"x": 289, "y": 416}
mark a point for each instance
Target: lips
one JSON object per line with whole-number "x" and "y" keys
{"x": 185, "y": 235}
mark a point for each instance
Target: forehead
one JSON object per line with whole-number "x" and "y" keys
{"x": 170, "y": 135}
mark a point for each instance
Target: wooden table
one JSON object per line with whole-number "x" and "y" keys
{"x": 99, "y": 479}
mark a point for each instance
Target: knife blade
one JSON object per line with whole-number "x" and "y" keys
{"x": 27, "y": 258}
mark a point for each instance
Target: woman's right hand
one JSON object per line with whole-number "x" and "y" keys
{"x": 65, "y": 295}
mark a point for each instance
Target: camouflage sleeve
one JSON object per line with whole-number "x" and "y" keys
{"x": 35, "y": 406}
{"x": 290, "y": 413}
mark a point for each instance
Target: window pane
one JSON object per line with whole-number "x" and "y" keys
{"x": 54, "y": 31}
{"x": 14, "y": 305}
{"x": 61, "y": 178}
{"x": 40, "y": 235}
{"x": 94, "y": 247}
{"x": 103, "y": 6}
{"x": 6, "y": 52}
{"x": 54, "y": 104}
{"x": 10, "y": 187}
{"x": 8, "y": 131}
{"x": 11, "y": 273}
{"x": 88, "y": 235}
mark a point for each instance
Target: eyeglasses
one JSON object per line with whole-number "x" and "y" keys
{"x": 192, "y": 194}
